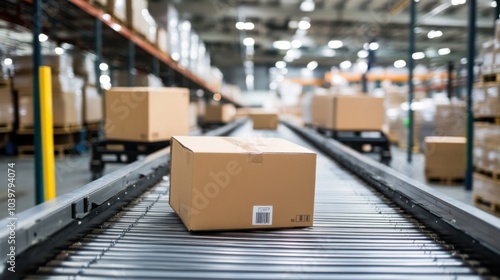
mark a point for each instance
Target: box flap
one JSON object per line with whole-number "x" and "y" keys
{"x": 239, "y": 145}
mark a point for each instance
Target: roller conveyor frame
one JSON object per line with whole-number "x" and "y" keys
{"x": 50, "y": 225}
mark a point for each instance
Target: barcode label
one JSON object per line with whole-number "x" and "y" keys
{"x": 262, "y": 215}
{"x": 302, "y": 218}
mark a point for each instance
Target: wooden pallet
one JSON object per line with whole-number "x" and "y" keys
{"x": 59, "y": 150}
{"x": 6, "y": 127}
{"x": 92, "y": 126}
{"x": 490, "y": 78}
{"x": 445, "y": 180}
{"x": 491, "y": 174}
{"x": 70, "y": 128}
{"x": 487, "y": 119}
{"x": 493, "y": 205}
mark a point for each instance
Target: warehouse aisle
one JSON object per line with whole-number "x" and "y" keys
{"x": 357, "y": 233}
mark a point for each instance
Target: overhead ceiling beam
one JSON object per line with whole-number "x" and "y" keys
{"x": 207, "y": 9}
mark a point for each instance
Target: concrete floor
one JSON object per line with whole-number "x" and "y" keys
{"x": 73, "y": 172}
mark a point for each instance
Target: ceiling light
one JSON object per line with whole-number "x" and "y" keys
{"x": 249, "y": 26}
{"x": 418, "y": 55}
{"x": 295, "y": 54}
{"x": 240, "y": 25}
{"x": 335, "y": 44}
{"x": 42, "y": 37}
{"x": 248, "y": 41}
{"x": 458, "y": 2}
{"x": 116, "y": 27}
{"x": 463, "y": 60}
{"x": 282, "y": 45}
{"x": 59, "y": 50}
{"x": 373, "y": 46}
{"x": 296, "y": 44}
{"x": 106, "y": 16}
{"x": 7, "y": 61}
{"x": 280, "y": 64}
{"x": 444, "y": 51}
{"x": 363, "y": 54}
{"x": 104, "y": 79}
{"x": 307, "y": 6}
{"x": 399, "y": 63}
{"x": 345, "y": 64}
{"x": 493, "y": 4}
{"x": 434, "y": 34}
{"x": 312, "y": 65}
{"x": 103, "y": 66}
{"x": 304, "y": 24}
{"x": 293, "y": 24}
{"x": 328, "y": 52}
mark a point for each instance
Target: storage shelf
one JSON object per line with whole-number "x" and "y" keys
{"x": 78, "y": 16}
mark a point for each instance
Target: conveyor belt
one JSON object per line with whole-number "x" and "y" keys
{"x": 357, "y": 234}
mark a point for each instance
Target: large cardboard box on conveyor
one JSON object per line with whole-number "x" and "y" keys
{"x": 445, "y": 157}
{"x": 226, "y": 183}
{"x": 348, "y": 112}
{"x": 146, "y": 114}
{"x": 265, "y": 120}
{"x": 220, "y": 113}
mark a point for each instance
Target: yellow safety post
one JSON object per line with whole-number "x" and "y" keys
{"x": 47, "y": 133}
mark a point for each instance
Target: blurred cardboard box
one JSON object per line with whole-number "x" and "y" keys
{"x": 66, "y": 110}
{"x": 146, "y": 114}
{"x": 450, "y": 119}
{"x": 486, "y": 189}
{"x": 226, "y": 183}
{"x": 265, "y": 120}
{"x": 92, "y": 105}
{"x": 348, "y": 112}
{"x": 6, "y": 105}
{"x": 220, "y": 113}
{"x": 57, "y": 63}
{"x": 486, "y": 100}
{"x": 445, "y": 157}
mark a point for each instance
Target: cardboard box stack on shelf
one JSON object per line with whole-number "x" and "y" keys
{"x": 66, "y": 91}
{"x": 66, "y": 102}
{"x": 6, "y": 111}
{"x": 119, "y": 78}
{"x": 487, "y": 163}
{"x": 445, "y": 158}
{"x": 348, "y": 112}
{"x": 219, "y": 113}
{"x": 237, "y": 184}
{"x": 84, "y": 67}
{"x": 393, "y": 98}
{"x": 143, "y": 114}
{"x": 487, "y": 99}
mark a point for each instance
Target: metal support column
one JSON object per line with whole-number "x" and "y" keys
{"x": 470, "y": 79}
{"x": 449, "y": 85}
{"x": 98, "y": 53}
{"x": 156, "y": 66}
{"x": 37, "y": 61}
{"x": 369, "y": 63}
{"x": 497, "y": 10}
{"x": 411, "y": 50}
{"x": 131, "y": 64}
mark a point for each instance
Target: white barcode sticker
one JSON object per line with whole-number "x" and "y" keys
{"x": 262, "y": 215}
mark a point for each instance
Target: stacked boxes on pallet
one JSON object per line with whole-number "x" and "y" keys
{"x": 66, "y": 90}
{"x": 84, "y": 66}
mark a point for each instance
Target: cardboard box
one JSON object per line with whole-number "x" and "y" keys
{"x": 486, "y": 100}
{"x": 92, "y": 105}
{"x": 450, "y": 119}
{"x": 225, "y": 183}
{"x": 220, "y": 113}
{"x": 486, "y": 188}
{"x": 162, "y": 39}
{"x": 61, "y": 83}
{"x": 146, "y": 114}
{"x": 58, "y": 63}
{"x": 66, "y": 110}
{"x": 6, "y": 106}
{"x": 348, "y": 112}
{"x": 265, "y": 120}
{"x": 445, "y": 157}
